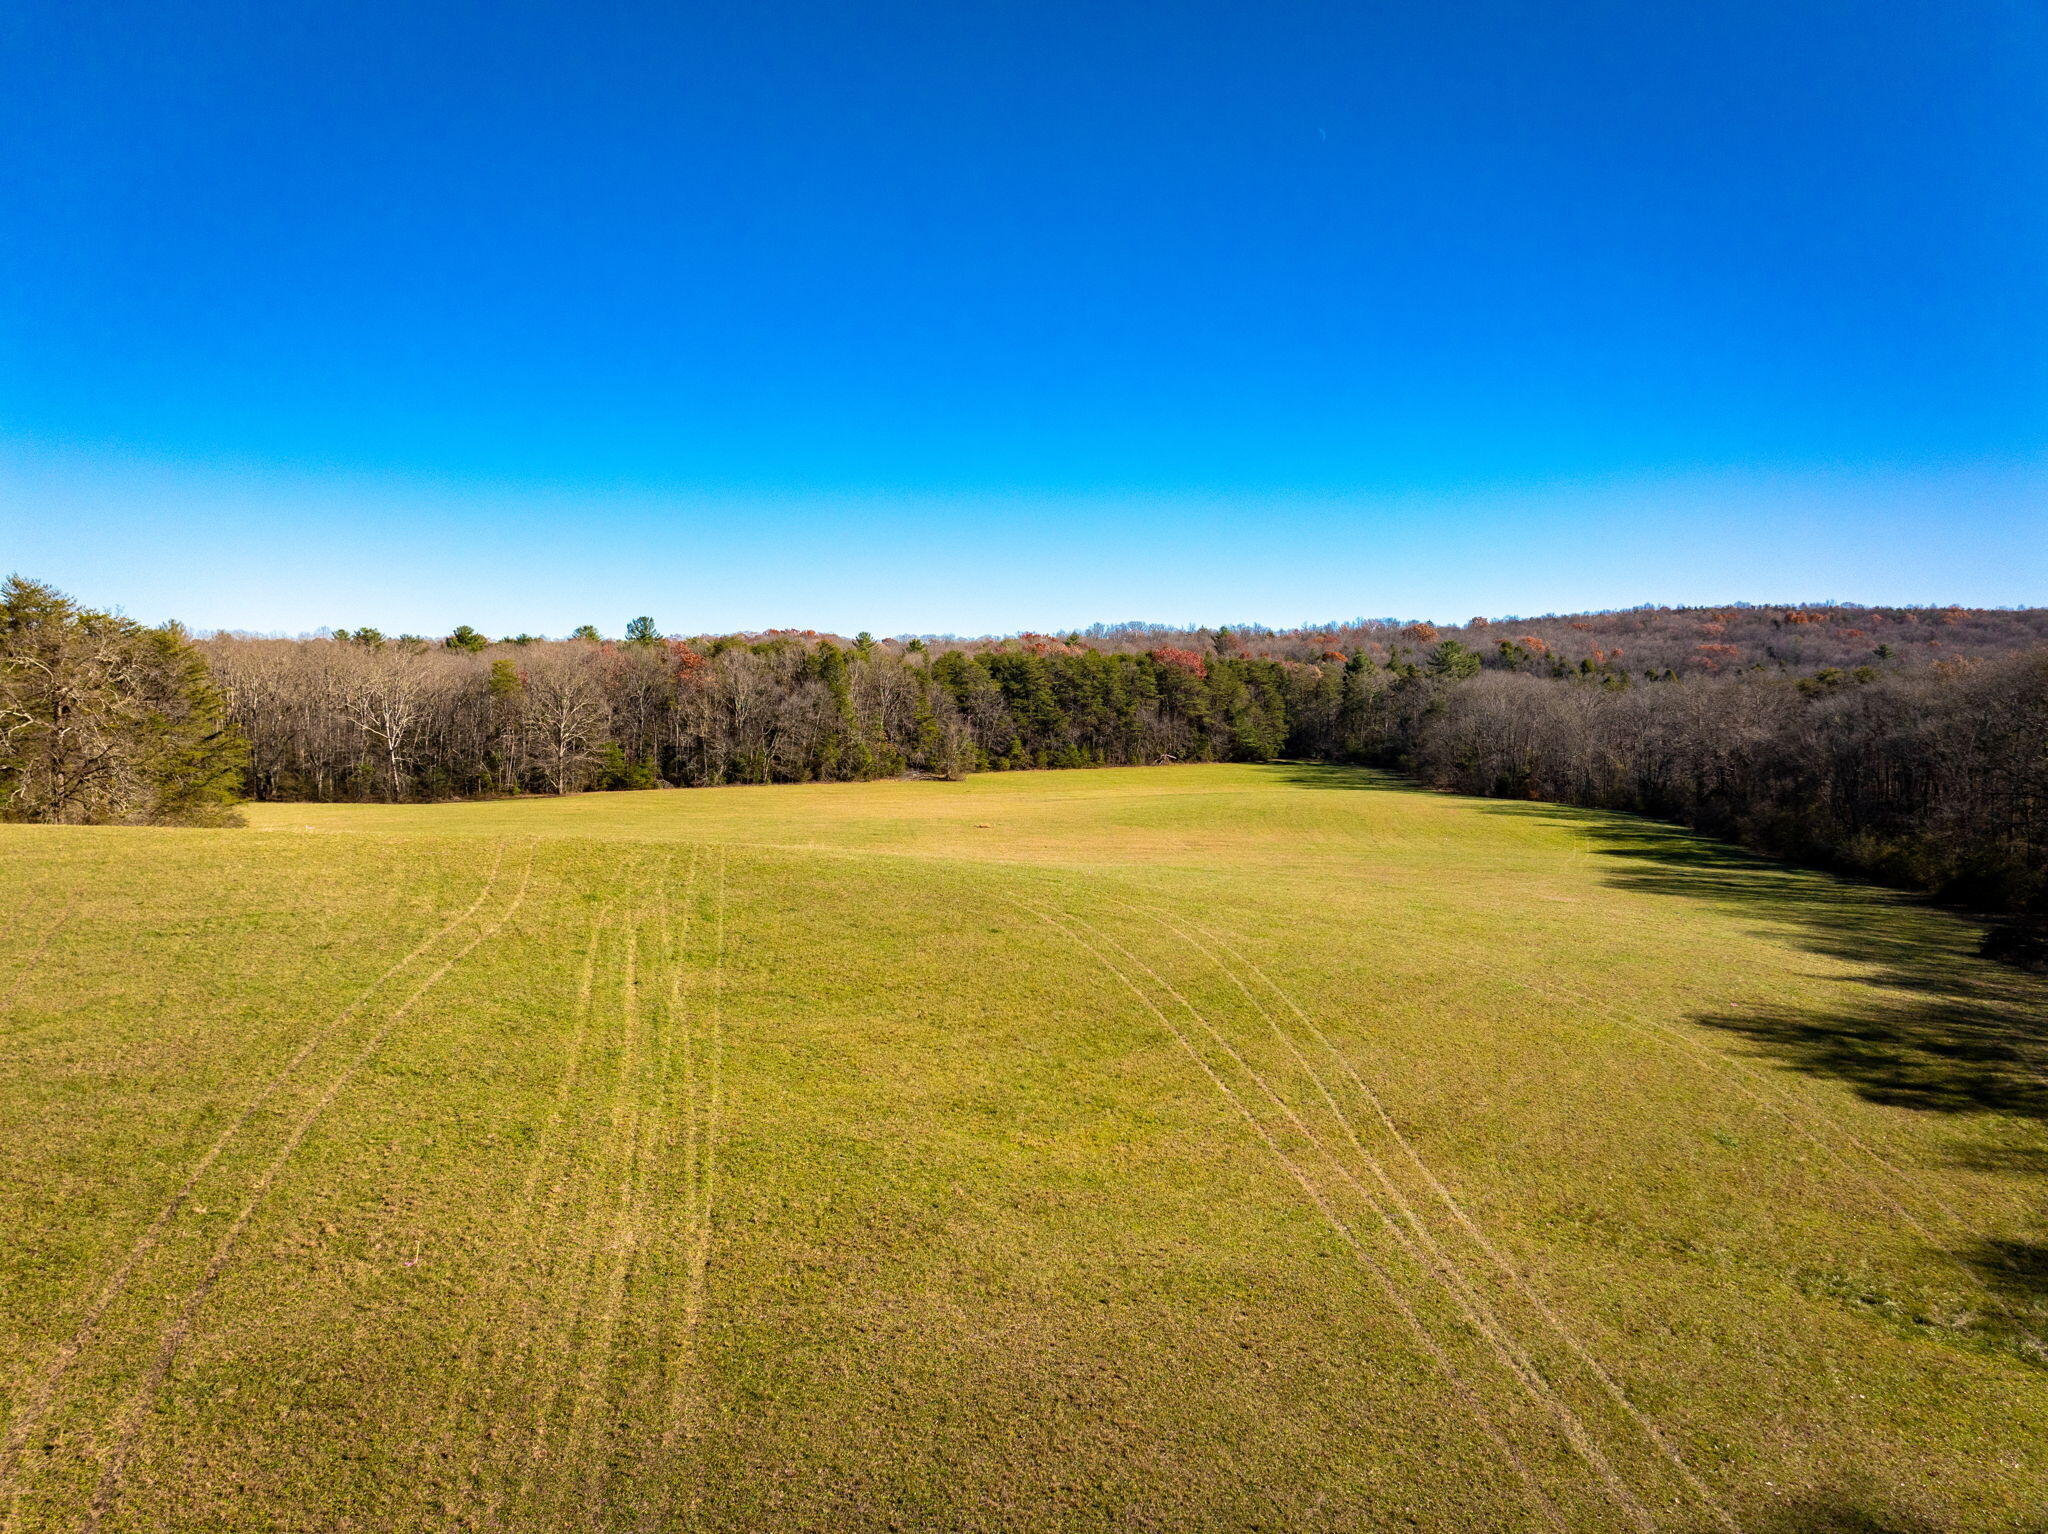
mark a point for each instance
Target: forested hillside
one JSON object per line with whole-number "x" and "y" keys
{"x": 1911, "y": 743}
{"x": 1920, "y": 756}
{"x": 1685, "y": 641}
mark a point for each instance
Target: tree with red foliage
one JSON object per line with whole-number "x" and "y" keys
{"x": 1191, "y": 661}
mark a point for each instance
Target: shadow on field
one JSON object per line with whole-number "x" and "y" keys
{"x": 1926, "y": 1024}
{"x": 1325, "y": 775}
{"x": 1836, "y": 1513}
{"x": 1930, "y": 1025}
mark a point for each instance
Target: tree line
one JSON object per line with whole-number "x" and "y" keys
{"x": 359, "y": 716}
{"x": 1928, "y": 768}
{"x": 1935, "y": 777}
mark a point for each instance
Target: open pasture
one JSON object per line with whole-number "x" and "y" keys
{"x": 1191, "y": 1148}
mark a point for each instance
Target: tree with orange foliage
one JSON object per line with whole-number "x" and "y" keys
{"x": 1191, "y": 661}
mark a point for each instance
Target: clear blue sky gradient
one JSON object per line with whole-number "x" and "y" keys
{"x": 980, "y": 317}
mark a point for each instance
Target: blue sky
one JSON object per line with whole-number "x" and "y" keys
{"x": 931, "y": 318}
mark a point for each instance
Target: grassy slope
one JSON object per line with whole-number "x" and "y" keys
{"x": 1209, "y": 1147}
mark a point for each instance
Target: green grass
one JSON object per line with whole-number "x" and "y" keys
{"x": 1206, "y": 1148}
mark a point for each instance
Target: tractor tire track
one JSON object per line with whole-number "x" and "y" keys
{"x": 129, "y": 1420}
{"x": 645, "y": 1095}
{"x": 486, "y": 1326}
{"x": 580, "y": 1321}
{"x": 1389, "y": 1289}
{"x": 684, "y": 1368}
{"x": 551, "y": 1344}
{"x": 35, "y": 957}
{"x": 632, "y": 1244}
{"x": 690, "y": 1175}
{"x": 625, "y": 1231}
{"x": 1193, "y": 934}
{"x": 1423, "y": 1250}
{"x": 25, "y": 1423}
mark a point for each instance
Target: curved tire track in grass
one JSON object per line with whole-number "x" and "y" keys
{"x": 614, "y": 1174}
{"x": 655, "y": 1068}
{"x": 679, "y": 1366}
{"x": 1423, "y": 1250}
{"x": 35, "y": 957}
{"x": 1193, "y": 934}
{"x": 616, "y": 1254}
{"x": 129, "y": 1420}
{"x": 25, "y": 1423}
{"x": 655, "y": 1250}
{"x": 1538, "y": 1499}
{"x": 480, "y": 1336}
{"x": 497, "y": 1473}
{"x": 706, "y": 1190}
{"x": 629, "y": 1246}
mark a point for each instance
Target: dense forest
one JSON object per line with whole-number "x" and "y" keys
{"x": 1910, "y": 743}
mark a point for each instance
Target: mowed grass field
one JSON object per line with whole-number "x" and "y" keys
{"x": 1204, "y": 1148}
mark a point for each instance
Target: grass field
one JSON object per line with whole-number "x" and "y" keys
{"x": 1209, "y": 1148}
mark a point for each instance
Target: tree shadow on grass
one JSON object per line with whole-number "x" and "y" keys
{"x": 1832, "y": 1512}
{"x": 1927, "y": 1025}
{"x": 1922, "y": 1022}
{"x": 1330, "y": 775}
